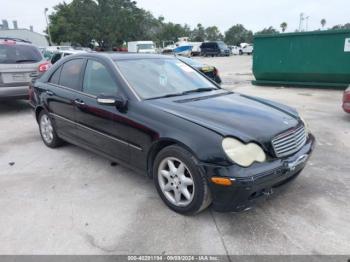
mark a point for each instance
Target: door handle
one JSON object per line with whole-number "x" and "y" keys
{"x": 50, "y": 93}
{"x": 79, "y": 102}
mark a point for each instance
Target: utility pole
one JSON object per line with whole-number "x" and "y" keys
{"x": 307, "y": 23}
{"x": 301, "y": 22}
{"x": 47, "y": 23}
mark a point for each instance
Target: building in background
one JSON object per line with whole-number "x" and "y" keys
{"x": 23, "y": 33}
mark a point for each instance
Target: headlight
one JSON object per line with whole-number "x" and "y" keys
{"x": 243, "y": 154}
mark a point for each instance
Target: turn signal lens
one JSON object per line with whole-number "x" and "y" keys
{"x": 222, "y": 181}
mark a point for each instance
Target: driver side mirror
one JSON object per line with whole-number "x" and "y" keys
{"x": 118, "y": 101}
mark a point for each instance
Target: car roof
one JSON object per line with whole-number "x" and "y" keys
{"x": 115, "y": 56}
{"x": 211, "y": 42}
{"x": 70, "y": 51}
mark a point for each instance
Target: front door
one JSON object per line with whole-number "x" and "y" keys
{"x": 101, "y": 126}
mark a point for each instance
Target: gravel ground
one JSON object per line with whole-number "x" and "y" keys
{"x": 70, "y": 201}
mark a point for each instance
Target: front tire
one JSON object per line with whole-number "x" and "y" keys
{"x": 179, "y": 182}
{"x": 47, "y": 131}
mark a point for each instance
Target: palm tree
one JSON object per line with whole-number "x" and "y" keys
{"x": 323, "y": 22}
{"x": 284, "y": 26}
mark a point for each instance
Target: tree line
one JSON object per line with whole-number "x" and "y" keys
{"x": 110, "y": 23}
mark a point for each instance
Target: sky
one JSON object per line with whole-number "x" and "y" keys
{"x": 253, "y": 14}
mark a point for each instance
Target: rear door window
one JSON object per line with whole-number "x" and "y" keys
{"x": 71, "y": 74}
{"x": 55, "y": 77}
{"x": 14, "y": 53}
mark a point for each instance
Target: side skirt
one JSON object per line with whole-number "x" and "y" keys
{"x": 97, "y": 152}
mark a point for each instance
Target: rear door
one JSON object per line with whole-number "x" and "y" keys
{"x": 63, "y": 88}
{"x": 101, "y": 127}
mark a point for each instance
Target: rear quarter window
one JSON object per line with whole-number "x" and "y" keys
{"x": 15, "y": 53}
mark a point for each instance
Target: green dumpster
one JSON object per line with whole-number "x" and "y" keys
{"x": 318, "y": 58}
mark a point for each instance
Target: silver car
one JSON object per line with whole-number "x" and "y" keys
{"x": 20, "y": 62}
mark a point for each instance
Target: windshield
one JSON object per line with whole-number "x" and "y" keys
{"x": 145, "y": 46}
{"x": 14, "y": 53}
{"x": 223, "y": 45}
{"x": 153, "y": 78}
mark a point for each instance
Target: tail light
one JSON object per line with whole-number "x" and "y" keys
{"x": 346, "y": 100}
{"x": 346, "y": 96}
{"x": 44, "y": 67}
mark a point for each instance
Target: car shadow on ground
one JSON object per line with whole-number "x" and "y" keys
{"x": 131, "y": 177}
{"x": 346, "y": 117}
{"x": 14, "y": 106}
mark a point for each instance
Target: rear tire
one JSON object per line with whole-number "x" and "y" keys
{"x": 179, "y": 182}
{"x": 48, "y": 131}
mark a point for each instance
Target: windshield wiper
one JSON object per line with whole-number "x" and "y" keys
{"x": 198, "y": 90}
{"x": 165, "y": 96}
{"x": 203, "y": 89}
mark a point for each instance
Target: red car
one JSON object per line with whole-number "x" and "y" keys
{"x": 346, "y": 100}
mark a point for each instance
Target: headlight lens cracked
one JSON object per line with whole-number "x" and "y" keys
{"x": 243, "y": 154}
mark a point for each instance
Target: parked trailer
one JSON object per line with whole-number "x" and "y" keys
{"x": 318, "y": 58}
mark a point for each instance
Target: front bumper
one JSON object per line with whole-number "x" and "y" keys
{"x": 255, "y": 182}
{"x": 14, "y": 92}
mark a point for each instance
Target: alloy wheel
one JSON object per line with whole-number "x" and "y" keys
{"x": 46, "y": 128}
{"x": 176, "y": 181}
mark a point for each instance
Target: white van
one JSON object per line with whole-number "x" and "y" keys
{"x": 247, "y": 49}
{"x": 145, "y": 47}
{"x": 235, "y": 50}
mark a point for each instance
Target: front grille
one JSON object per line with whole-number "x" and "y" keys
{"x": 289, "y": 142}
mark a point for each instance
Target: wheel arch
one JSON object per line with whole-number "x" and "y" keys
{"x": 38, "y": 110}
{"x": 160, "y": 145}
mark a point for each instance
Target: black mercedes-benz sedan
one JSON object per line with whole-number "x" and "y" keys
{"x": 200, "y": 144}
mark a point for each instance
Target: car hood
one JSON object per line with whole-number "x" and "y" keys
{"x": 232, "y": 114}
